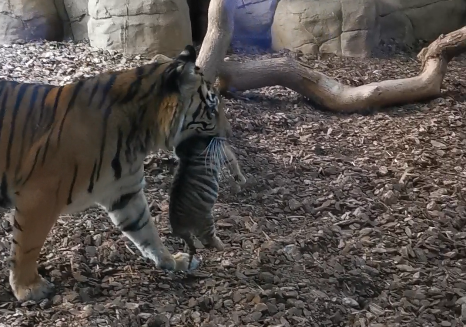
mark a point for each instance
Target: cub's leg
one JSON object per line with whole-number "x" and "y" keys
{"x": 130, "y": 213}
{"x": 208, "y": 234}
{"x": 214, "y": 242}
{"x": 31, "y": 225}
{"x": 233, "y": 165}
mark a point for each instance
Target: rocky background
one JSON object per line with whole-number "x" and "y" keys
{"x": 342, "y": 27}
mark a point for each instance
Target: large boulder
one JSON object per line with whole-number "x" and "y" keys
{"x": 78, "y": 18}
{"x": 26, "y": 20}
{"x": 143, "y": 26}
{"x": 407, "y": 21}
{"x": 74, "y": 17}
{"x": 354, "y": 27}
{"x": 341, "y": 27}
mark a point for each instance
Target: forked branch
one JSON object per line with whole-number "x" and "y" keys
{"x": 338, "y": 97}
{"x": 321, "y": 89}
{"x": 218, "y": 37}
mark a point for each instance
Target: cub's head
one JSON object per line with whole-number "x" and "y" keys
{"x": 199, "y": 109}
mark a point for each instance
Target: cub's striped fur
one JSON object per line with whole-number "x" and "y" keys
{"x": 195, "y": 189}
{"x": 66, "y": 148}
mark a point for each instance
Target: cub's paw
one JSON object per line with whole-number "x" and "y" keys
{"x": 182, "y": 262}
{"x": 36, "y": 291}
{"x": 198, "y": 244}
{"x": 214, "y": 242}
{"x": 240, "y": 179}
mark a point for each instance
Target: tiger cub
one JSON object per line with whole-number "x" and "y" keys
{"x": 194, "y": 189}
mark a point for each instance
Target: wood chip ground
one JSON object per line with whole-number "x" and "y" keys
{"x": 346, "y": 220}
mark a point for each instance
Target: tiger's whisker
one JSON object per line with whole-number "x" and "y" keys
{"x": 221, "y": 157}
{"x": 221, "y": 153}
{"x": 212, "y": 155}
{"x": 225, "y": 160}
{"x": 215, "y": 153}
{"x": 207, "y": 147}
{"x": 208, "y": 154}
{"x": 224, "y": 155}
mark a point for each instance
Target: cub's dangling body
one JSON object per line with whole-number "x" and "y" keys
{"x": 66, "y": 148}
{"x": 195, "y": 188}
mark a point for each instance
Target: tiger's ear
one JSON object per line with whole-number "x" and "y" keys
{"x": 188, "y": 55}
{"x": 180, "y": 75}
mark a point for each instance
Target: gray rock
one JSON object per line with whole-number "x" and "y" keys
{"x": 26, "y": 20}
{"x": 143, "y": 26}
{"x": 78, "y": 18}
{"x": 429, "y": 21}
{"x": 260, "y": 307}
{"x": 266, "y": 277}
{"x": 354, "y": 27}
{"x": 313, "y": 26}
{"x": 347, "y": 301}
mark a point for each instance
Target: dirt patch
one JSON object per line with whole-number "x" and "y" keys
{"x": 346, "y": 220}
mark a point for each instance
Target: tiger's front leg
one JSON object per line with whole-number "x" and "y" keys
{"x": 131, "y": 214}
{"x": 32, "y": 222}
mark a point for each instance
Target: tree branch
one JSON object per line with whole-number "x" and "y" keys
{"x": 337, "y": 97}
{"x": 319, "y": 88}
{"x": 218, "y": 37}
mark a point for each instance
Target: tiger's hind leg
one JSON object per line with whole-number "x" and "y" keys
{"x": 130, "y": 213}
{"x": 31, "y": 225}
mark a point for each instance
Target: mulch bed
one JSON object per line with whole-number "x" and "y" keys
{"x": 346, "y": 220}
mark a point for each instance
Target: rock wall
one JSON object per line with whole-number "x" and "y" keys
{"x": 143, "y": 26}
{"x": 24, "y": 20}
{"x": 354, "y": 27}
{"x": 342, "y": 27}
{"x": 76, "y": 19}
{"x": 346, "y": 28}
{"x": 407, "y": 21}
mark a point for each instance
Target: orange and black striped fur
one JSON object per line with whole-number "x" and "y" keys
{"x": 66, "y": 148}
{"x": 195, "y": 188}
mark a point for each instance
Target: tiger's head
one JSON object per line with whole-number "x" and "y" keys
{"x": 199, "y": 108}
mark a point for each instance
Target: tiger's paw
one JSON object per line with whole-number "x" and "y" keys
{"x": 182, "y": 262}
{"x": 36, "y": 291}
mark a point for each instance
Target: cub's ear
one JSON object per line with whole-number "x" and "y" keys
{"x": 180, "y": 75}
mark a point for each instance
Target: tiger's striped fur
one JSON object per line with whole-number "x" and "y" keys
{"x": 66, "y": 148}
{"x": 194, "y": 189}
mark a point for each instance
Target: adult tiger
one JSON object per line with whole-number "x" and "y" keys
{"x": 66, "y": 148}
